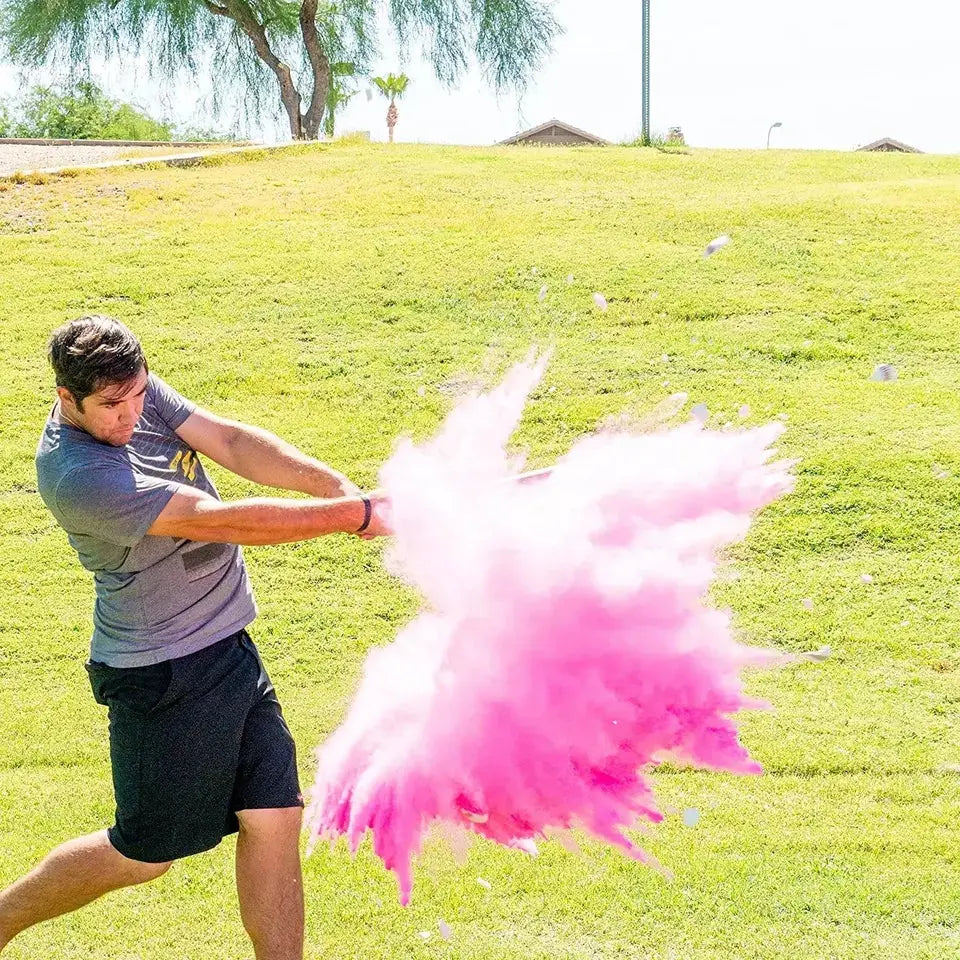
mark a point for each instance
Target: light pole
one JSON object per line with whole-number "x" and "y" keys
{"x": 773, "y": 126}
{"x": 645, "y": 74}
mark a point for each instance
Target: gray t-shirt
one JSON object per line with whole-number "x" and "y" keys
{"x": 157, "y": 598}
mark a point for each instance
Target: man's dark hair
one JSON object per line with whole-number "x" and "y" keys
{"x": 93, "y": 352}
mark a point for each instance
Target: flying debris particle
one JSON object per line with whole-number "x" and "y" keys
{"x": 700, "y": 412}
{"x": 715, "y": 245}
{"x": 542, "y": 295}
{"x": 806, "y": 344}
{"x": 486, "y": 884}
{"x": 421, "y": 391}
{"x": 654, "y": 295}
{"x": 744, "y": 411}
{"x": 527, "y": 845}
{"x": 816, "y": 656}
{"x": 866, "y": 578}
{"x": 534, "y": 270}
{"x": 445, "y": 930}
{"x": 600, "y": 300}
{"x": 425, "y": 934}
{"x": 474, "y": 817}
{"x": 665, "y": 357}
{"x": 883, "y": 372}
{"x": 806, "y": 603}
{"x": 691, "y": 817}
{"x": 940, "y": 472}
{"x": 569, "y": 278}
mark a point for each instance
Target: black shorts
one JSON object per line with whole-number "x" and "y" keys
{"x": 192, "y": 741}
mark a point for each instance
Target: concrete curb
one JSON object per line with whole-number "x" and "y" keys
{"x": 170, "y": 160}
{"x": 54, "y": 142}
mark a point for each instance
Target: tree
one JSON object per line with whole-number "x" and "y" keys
{"x": 295, "y": 41}
{"x": 393, "y": 87}
{"x": 339, "y": 94}
{"x": 80, "y": 112}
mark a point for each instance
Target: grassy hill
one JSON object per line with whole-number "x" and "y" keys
{"x": 342, "y": 296}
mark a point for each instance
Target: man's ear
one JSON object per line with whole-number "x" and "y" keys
{"x": 67, "y": 399}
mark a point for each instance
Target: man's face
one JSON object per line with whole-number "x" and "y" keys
{"x": 111, "y": 413}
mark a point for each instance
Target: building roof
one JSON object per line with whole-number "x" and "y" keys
{"x": 567, "y": 127}
{"x": 888, "y": 143}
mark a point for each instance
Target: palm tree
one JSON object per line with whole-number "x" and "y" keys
{"x": 392, "y": 86}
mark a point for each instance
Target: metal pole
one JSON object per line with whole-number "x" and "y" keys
{"x": 645, "y": 71}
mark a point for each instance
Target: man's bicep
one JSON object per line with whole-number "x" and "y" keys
{"x": 208, "y": 434}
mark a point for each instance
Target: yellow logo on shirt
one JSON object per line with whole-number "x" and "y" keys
{"x": 187, "y": 461}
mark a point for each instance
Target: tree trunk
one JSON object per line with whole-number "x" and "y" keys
{"x": 391, "y": 119}
{"x": 240, "y": 12}
{"x": 320, "y": 67}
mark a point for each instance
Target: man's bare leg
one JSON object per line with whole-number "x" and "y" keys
{"x": 270, "y": 882}
{"x": 69, "y": 877}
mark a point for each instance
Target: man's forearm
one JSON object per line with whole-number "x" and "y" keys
{"x": 262, "y": 457}
{"x": 259, "y": 521}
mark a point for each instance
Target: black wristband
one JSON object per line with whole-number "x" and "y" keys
{"x": 367, "y": 514}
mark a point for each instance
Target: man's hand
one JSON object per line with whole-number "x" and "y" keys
{"x": 342, "y": 486}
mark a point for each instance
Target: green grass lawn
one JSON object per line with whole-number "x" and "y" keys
{"x": 316, "y": 293}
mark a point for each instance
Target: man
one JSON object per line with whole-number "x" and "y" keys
{"x": 198, "y": 744}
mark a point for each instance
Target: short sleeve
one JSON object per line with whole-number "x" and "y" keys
{"x": 170, "y": 406}
{"x": 111, "y": 503}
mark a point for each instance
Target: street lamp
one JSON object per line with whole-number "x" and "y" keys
{"x": 645, "y": 73}
{"x": 773, "y": 126}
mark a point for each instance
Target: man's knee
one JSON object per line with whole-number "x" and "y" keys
{"x": 280, "y": 820}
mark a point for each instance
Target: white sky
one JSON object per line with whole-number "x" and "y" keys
{"x": 836, "y": 73}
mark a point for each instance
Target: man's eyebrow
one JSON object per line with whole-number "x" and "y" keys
{"x": 105, "y": 400}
